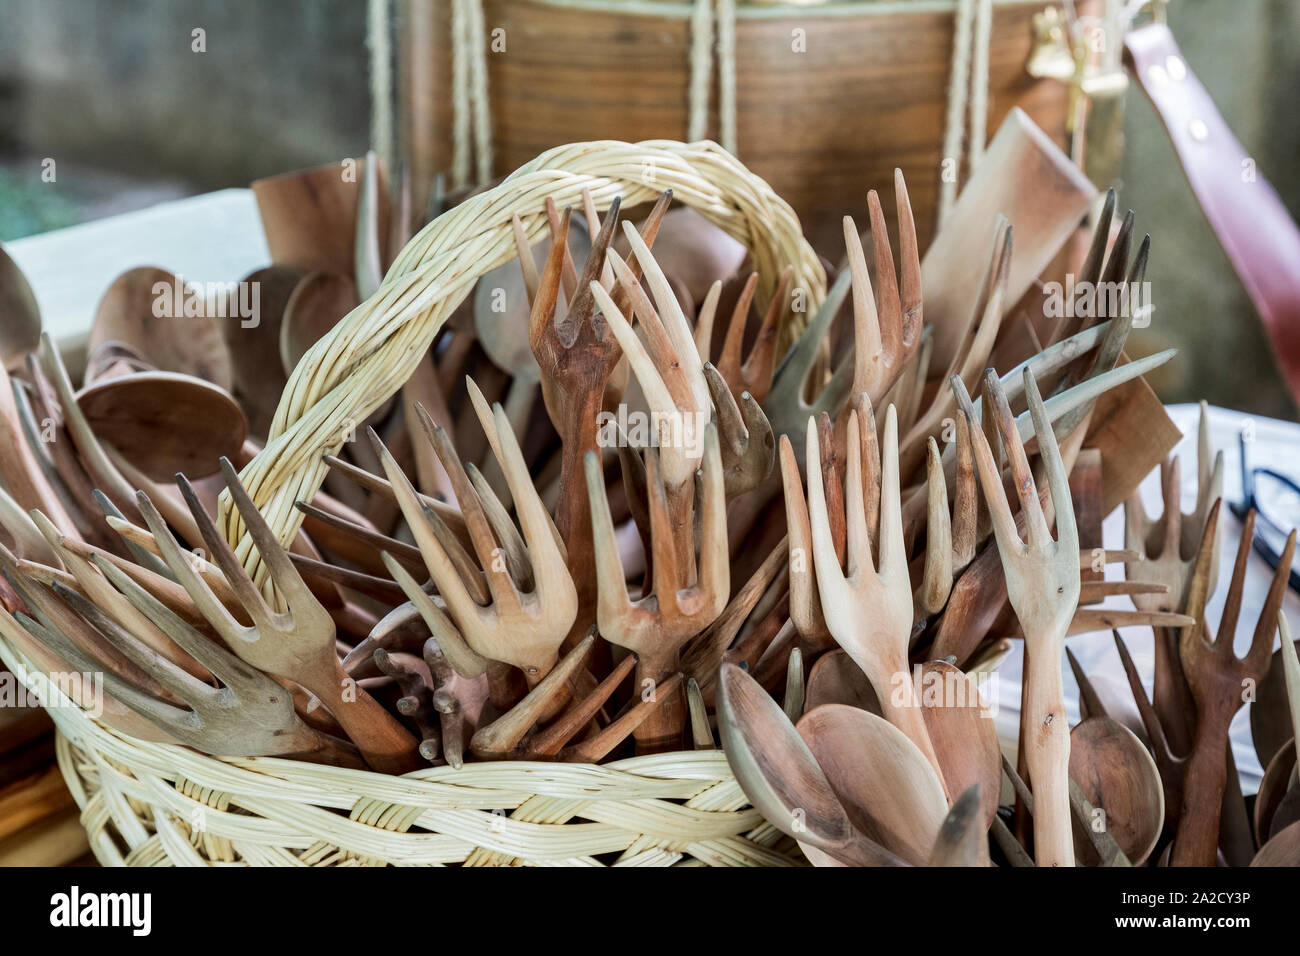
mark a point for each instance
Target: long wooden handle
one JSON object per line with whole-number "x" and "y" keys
{"x": 1046, "y": 733}
{"x": 386, "y": 745}
{"x": 1197, "y": 842}
{"x": 661, "y": 731}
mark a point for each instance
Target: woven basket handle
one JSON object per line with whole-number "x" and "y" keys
{"x": 372, "y": 352}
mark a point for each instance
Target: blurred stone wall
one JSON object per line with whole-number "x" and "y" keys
{"x": 116, "y": 83}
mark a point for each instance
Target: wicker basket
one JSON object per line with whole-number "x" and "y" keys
{"x": 147, "y": 804}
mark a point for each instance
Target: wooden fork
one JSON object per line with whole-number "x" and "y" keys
{"x": 251, "y": 715}
{"x": 886, "y": 328}
{"x": 1170, "y": 545}
{"x": 297, "y": 643}
{"x": 753, "y": 376}
{"x": 672, "y": 608}
{"x": 522, "y": 628}
{"x": 577, "y": 355}
{"x": 786, "y": 406}
{"x": 869, "y": 610}
{"x": 1042, "y": 578}
{"x": 1218, "y": 680}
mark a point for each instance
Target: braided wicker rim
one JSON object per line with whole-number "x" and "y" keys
{"x": 371, "y": 353}
{"x": 167, "y": 804}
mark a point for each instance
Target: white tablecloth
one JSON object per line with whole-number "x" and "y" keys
{"x": 1276, "y": 444}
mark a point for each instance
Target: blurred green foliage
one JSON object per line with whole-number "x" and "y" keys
{"x": 29, "y": 206}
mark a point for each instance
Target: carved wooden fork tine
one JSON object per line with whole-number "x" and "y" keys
{"x": 499, "y": 584}
{"x": 1111, "y": 346}
{"x": 805, "y": 604}
{"x": 785, "y": 406}
{"x": 158, "y": 712}
{"x": 539, "y": 536}
{"x": 745, "y": 434}
{"x": 1090, "y": 271}
{"x": 442, "y": 570}
{"x": 754, "y": 375}
{"x": 678, "y": 463}
{"x": 1172, "y": 767}
{"x": 665, "y": 300}
{"x": 936, "y": 582}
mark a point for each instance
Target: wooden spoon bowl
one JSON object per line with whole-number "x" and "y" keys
{"x": 964, "y": 735}
{"x": 128, "y": 313}
{"x": 1117, "y": 775}
{"x": 886, "y": 784}
{"x": 315, "y": 306}
{"x": 165, "y": 422}
{"x": 836, "y": 679}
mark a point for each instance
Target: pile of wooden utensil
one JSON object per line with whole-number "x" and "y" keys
{"x": 485, "y": 576}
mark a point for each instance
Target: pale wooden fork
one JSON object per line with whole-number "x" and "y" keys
{"x": 1042, "y": 579}
{"x": 886, "y": 326}
{"x": 1170, "y": 544}
{"x": 869, "y": 610}
{"x": 522, "y": 628}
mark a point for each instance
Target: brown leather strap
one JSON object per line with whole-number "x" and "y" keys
{"x": 1253, "y": 226}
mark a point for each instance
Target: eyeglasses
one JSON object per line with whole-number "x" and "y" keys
{"x": 1276, "y": 500}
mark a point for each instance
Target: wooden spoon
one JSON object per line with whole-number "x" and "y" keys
{"x": 1281, "y": 850}
{"x": 258, "y": 374}
{"x": 835, "y": 679}
{"x": 1118, "y": 776}
{"x": 781, "y": 777}
{"x": 886, "y": 784}
{"x": 1271, "y": 711}
{"x": 964, "y": 735}
{"x": 317, "y": 303}
{"x": 1274, "y": 789}
{"x": 163, "y": 321}
{"x": 166, "y": 422}
{"x": 20, "y": 316}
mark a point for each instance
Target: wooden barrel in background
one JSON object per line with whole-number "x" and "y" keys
{"x": 822, "y": 126}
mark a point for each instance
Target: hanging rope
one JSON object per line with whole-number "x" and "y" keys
{"x": 379, "y": 37}
{"x": 727, "y": 74}
{"x": 979, "y": 103}
{"x": 702, "y": 50}
{"x": 970, "y": 66}
{"x": 701, "y": 57}
{"x": 480, "y": 106}
{"x": 471, "y": 128}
